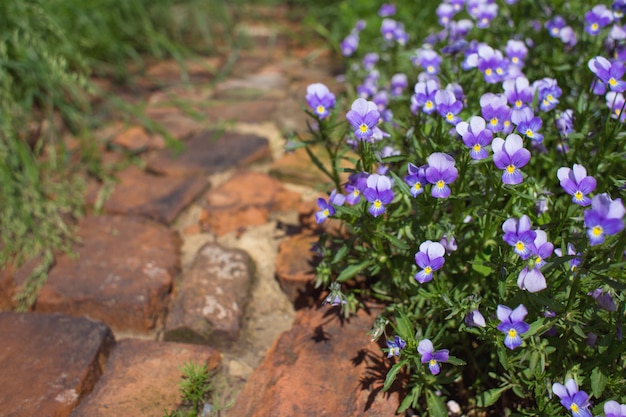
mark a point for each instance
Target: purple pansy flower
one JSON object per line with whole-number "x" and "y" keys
{"x": 475, "y": 319}
{"x": 448, "y": 106}
{"x": 424, "y": 98}
{"x": 616, "y": 103}
{"x": 518, "y": 94}
{"x": 604, "y": 218}
{"x": 516, "y": 51}
{"x": 604, "y": 299}
{"x": 378, "y": 193}
{"x": 565, "y": 122}
{"x": 431, "y": 357}
{"x": 369, "y": 60}
{"x": 512, "y": 324}
{"x": 399, "y": 83}
{"x": 555, "y": 25}
{"x": 429, "y": 60}
{"x": 387, "y": 10}
{"x": 577, "y": 183}
{"x": 416, "y": 179}
{"x": 441, "y": 172}
{"x": 475, "y": 136}
{"x": 597, "y": 18}
{"x": 610, "y": 73}
{"x": 449, "y": 244}
{"x": 484, "y": 12}
{"x": 395, "y": 346}
{"x": 572, "y": 399}
{"x": 363, "y": 117}
{"x": 327, "y": 209}
{"x": 548, "y": 93}
{"x": 575, "y": 262}
{"x": 393, "y": 30}
{"x": 445, "y": 13}
{"x": 335, "y": 297}
{"x": 320, "y": 99}
{"x": 528, "y": 124}
{"x": 517, "y": 233}
{"x": 496, "y": 112}
{"x": 530, "y": 278}
{"x": 430, "y": 259}
{"x": 357, "y": 183}
{"x": 510, "y": 156}
{"x": 492, "y": 64}
{"x": 349, "y": 44}
{"x": 614, "y": 409}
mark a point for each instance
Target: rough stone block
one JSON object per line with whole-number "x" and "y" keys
{"x": 123, "y": 274}
{"x": 210, "y": 301}
{"x": 142, "y": 379}
{"x": 49, "y": 362}
{"x": 295, "y": 268}
{"x": 323, "y": 366}
{"x": 210, "y": 152}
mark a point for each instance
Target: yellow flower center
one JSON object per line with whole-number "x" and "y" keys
{"x": 321, "y": 109}
{"x": 417, "y": 186}
{"x": 356, "y": 193}
{"x": 538, "y": 260}
{"x": 529, "y": 133}
{"x": 512, "y": 333}
{"x": 432, "y": 362}
{"x": 428, "y": 270}
{"x": 485, "y": 20}
{"x": 510, "y": 169}
{"x": 363, "y": 128}
{"x": 518, "y": 103}
{"x": 449, "y": 116}
{"x": 520, "y": 246}
{"x": 618, "y": 111}
{"x": 515, "y": 60}
{"x": 550, "y": 97}
{"x": 488, "y": 71}
{"x": 429, "y": 105}
{"x": 594, "y": 26}
{"x": 476, "y": 148}
{"x": 499, "y": 71}
{"x": 440, "y": 184}
{"x": 555, "y": 31}
{"x": 326, "y": 212}
{"x": 612, "y": 81}
{"x": 597, "y": 231}
{"x": 507, "y": 123}
{"x": 494, "y": 121}
{"x": 430, "y": 69}
{"x": 378, "y": 204}
{"x": 578, "y": 195}
{"x": 574, "y": 408}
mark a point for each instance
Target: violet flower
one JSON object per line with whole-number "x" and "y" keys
{"x": 610, "y": 73}
{"x": 516, "y": 51}
{"x": 429, "y": 60}
{"x": 572, "y": 399}
{"x": 335, "y": 297}
{"x": 575, "y": 262}
{"x": 548, "y": 93}
{"x": 597, "y": 18}
{"x": 349, "y": 44}
{"x": 604, "y": 299}
{"x": 431, "y": 357}
{"x": 518, "y": 94}
{"x": 399, "y": 83}
{"x": 357, "y": 183}
{"x": 395, "y": 346}
{"x": 441, "y": 172}
{"x": 496, "y": 113}
{"x": 475, "y": 319}
{"x": 320, "y": 99}
{"x": 565, "y": 122}
{"x": 416, "y": 179}
{"x": 430, "y": 259}
{"x": 604, "y": 218}
{"x": 517, "y": 233}
{"x": 512, "y": 324}
{"x": 327, "y": 209}
{"x": 445, "y": 13}
{"x": 378, "y": 193}
{"x": 363, "y": 117}
{"x": 475, "y": 136}
{"x": 484, "y": 12}
{"x": 369, "y": 61}
{"x": 448, "y": 106}
{"x": 528, "y": 124}
{"x": 577, "y": 183}
{"x": 614, "y": 409}
{"x": 387, "y": 10}
{"x": 616, "y": 103}
{"x": 424, "y": 98}
{"x": 530, "y": 278}
{"x": 510, "y": 156}
{"x": 555, "y": 25}
{"x": 492, "y": 64}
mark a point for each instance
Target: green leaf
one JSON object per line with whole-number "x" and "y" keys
{"x": 340, "y": 254}
{"x": 391, "y": 375}
{"x": 598, "y": 382}
{"x": 403, "y": 325}
{"x": 395, "y": 241}
{"x": 489, "y": 397}
{"x": 436, "y": 407}
{"x": 352, "y": 270}
{"x": 535, "y": 327}
{"x": 453, "y": 360}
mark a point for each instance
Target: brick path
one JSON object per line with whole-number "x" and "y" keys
{"x": 182, "y": 263}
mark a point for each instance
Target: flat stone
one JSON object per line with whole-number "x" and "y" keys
{"x": 210, "y": 301}
{"x": 266, "y": 84}
{"x": 296, "y": 167}
{"x": 142, "y": 379}
{"x": 49, "y": 362}
{"x": 177, "y": 123}
{"x": 155, "y": 197}
{"x": 323, "y": 366}
{"x": 251, "y": 111}
{"x": 210, "y": 152}
{"x": 123, "y": 274}
{"x": 295, "y": 268}
{"x": 136, "y": 139}
{"x": 246, "y": 199}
